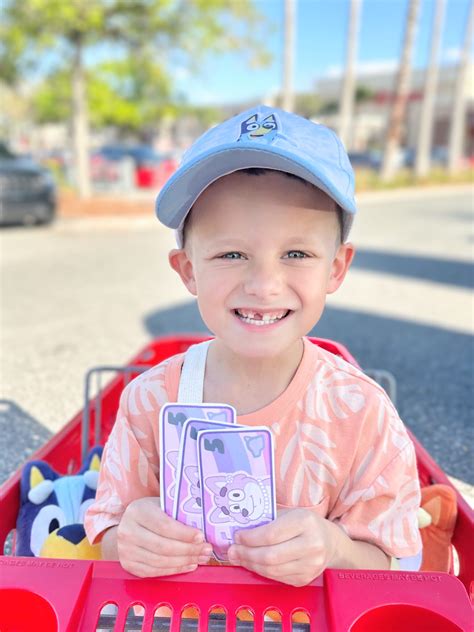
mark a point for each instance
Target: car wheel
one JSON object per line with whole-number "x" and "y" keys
{"x": 46, "y": 217}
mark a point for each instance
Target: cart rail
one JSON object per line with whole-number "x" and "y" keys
{"x": 68, "y": 596}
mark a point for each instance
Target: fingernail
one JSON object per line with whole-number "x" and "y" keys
{"x": 203, "y": 559}
{"x": 206, "y": 550}
{"x": 198, "y": 538}
{"x": 237, "y": 537}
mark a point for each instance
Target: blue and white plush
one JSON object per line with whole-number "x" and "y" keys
{"x": 52, "y": 508}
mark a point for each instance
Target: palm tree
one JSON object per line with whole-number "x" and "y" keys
{"x": 458, "y": 116}
{"x": 425, "y": 129}
{"x": 392, "y": 140}
{"x": 288, "y": 54}
{"x": 346, "y": 112}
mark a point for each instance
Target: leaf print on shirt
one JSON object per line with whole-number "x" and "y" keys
{"x": 146, "y": 393}
{"x": 124, "y": 452}
{"x": 333, "y": 395}
{"x": 352, "y": 491}
{"x": 391, "y": 428}
{"x": 395, "y": 527}
{"x": 309, "y": 448}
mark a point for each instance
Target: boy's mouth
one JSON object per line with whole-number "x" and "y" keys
{"x": 253, "y": 317}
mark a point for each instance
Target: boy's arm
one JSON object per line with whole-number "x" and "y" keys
{"x": 299, "y": 545}
{"x": 108, "y": 544}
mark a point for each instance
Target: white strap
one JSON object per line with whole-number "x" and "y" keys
{"x": 191, "y": 383}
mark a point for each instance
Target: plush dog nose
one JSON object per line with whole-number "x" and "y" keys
{"x": 73, "y": 533}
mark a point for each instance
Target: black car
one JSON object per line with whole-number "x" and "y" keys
{"x": 27, "y": 190}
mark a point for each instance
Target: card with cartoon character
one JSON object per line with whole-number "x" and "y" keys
{"x": 236, "y": 474}
{"x": 187, "y": 499}
{"x": 172, "y": 418}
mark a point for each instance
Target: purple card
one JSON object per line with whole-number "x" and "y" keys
{"x": 172, "y": 418}
{"x": 187, "y": 506}
{"x": 237, "y": 479}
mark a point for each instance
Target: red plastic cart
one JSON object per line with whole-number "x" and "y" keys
{"x": 72, "y": 596}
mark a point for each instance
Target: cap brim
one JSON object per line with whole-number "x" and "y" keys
{"x": 186, "y": 185}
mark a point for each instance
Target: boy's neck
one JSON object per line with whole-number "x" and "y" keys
{"x": 248, "y": 384}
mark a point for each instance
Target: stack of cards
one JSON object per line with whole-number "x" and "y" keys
{"x": 214, "y": 474}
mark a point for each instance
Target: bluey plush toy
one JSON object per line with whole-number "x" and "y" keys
{"x": 52, "y": 509}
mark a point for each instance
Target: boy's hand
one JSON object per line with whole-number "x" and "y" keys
{"x": 150, "y": 543}
{"x": 294, "y": 549}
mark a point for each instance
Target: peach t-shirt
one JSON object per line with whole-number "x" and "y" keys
{"x": 340, "y": 450}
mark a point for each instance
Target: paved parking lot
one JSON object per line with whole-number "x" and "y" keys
{"x": 92, "y": 291}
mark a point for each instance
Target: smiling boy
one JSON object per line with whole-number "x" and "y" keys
{"x": 263, "y": 204}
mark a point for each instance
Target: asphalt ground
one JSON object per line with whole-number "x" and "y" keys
{"x": 89, "y": 291}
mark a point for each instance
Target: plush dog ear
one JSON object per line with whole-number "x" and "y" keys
{"x": 36, "y": 482}
{"x": 92, "y": 460}
{"x": 90, "y": 469}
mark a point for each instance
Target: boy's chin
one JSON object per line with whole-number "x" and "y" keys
{"x": 262, "y": 349}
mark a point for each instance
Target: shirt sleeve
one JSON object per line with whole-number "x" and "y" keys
{"x": 379, "y": 502}
{"x": 130, "y": 461}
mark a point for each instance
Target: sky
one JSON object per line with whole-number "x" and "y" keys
{"x": 320, "y": 47}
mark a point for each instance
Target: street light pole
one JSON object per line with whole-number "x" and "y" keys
{"x": 426, "y": 120}
{"x": 288, "y": 54}
{"x": 397, "y": 112}
{"x": 458, "y": 116}
{"x": 346, "y": 112}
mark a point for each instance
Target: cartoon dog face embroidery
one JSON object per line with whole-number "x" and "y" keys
{"x": 253, "y": 129}
{"x": 239, "y": 498}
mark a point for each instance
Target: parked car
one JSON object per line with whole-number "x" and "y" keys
{"x": 151, "y": 169}
{"x": 27, "y": 190}
{"x": 365, "y": 160}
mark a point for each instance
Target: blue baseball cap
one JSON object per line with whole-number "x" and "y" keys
{"x": 263, "y": 137}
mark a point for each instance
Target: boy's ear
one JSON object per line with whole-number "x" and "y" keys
{"x": 340, "y": 266}
{"x": 181, "y": 263}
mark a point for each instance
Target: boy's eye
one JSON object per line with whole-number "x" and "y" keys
{"x": 231, "y": 255}
{"x": 296, "y": 254}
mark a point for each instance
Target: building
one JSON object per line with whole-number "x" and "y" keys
{"x": 371, "y": 114}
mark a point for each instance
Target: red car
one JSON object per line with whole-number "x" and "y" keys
{"x": 151, "y": 169}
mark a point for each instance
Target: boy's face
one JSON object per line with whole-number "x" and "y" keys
{"x": 261, "y": 254}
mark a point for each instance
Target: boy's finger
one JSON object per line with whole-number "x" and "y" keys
{"x": 169, "y": 559}
{"x": 284, "y": 528}
{"x": 158, "y": 543}
{"x": 173, "y": 529}
{"x": 287, "y": 574}
{"x": 274, "y": 555}
{"x": 142, "y": 569}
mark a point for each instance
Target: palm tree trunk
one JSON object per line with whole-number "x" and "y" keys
{"x": 458, "y": 117}
{"x": 397, "y": 112}
{"x": 288, "y": 55}
{"x": 80, "y": 124}
{"x": 425, "y": 129}
{"x": 346, "y": 112}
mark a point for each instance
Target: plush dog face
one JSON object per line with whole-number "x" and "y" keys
{"x": 51, "y": 516}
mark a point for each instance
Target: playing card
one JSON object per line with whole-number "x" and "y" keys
{"x": 172, "y": 418}
{"x": 187, "y": 506}
{"x": 237, "y": 480}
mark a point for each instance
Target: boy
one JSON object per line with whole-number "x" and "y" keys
{"x": 263, "y": 204}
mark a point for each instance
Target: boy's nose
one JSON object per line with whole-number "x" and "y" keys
{"x": 263, "y": 280}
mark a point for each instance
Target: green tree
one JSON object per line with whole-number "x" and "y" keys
{"x": 142, "y": 35}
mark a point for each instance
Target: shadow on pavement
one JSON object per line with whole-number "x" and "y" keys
{"x": 458, "y": 273}
{"x": 18, "y": 428}
{"x": 432, "y": 366}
